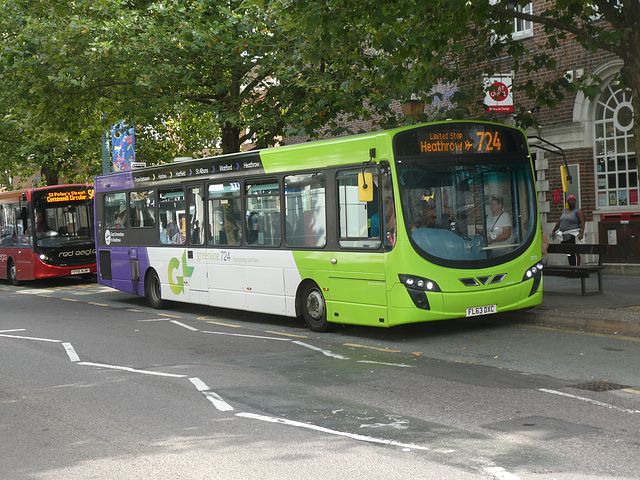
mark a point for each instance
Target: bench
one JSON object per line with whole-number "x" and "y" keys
{"x": 578, "y": 271}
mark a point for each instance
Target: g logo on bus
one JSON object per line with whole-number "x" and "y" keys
{"x": 177, "y": 286}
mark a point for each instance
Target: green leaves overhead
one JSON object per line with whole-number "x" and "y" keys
{"x": 201, "y": 76}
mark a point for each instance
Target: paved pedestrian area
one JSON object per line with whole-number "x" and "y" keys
{"x": 617, "y": 311}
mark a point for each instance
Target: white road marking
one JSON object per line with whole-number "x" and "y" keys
{"x": 13, "y": 330}
{"x": 32, "y": 338}
{"x": 328, "y": 353}
{"x": 184, "y": 325}
{"x": 155, "y": 320}
{"x": 73, "y": 356}
{"x": 353, "y": 436}
{"x": 386, "y": 363}
{"x": 501, "y": 474}
{"x": 259, "y": 337}
{"x": 213, "y": 397}
{"x": 133, "y": 370}
{"x": 588, "y": 400}
{"x": 31, "y": 291}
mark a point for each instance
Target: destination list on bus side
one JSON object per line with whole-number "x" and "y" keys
{"x": 198, "y": 169}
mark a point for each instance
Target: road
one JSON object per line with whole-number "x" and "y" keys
{"x": 96, "y": 385}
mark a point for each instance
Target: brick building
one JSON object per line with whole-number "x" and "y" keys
{"x": 596, "y": 136}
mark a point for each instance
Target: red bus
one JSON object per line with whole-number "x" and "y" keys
{"x": 47, "y": 232}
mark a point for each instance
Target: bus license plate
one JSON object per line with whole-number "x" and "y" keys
{"x": 80, "y": 271}
{"x": 483, "y": 310}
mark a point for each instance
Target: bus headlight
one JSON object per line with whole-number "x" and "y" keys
{"x": 417, "y": 287}
{"x": 534, "y": 272}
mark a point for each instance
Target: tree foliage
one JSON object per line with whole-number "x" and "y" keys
{"x": 199, "y": 75}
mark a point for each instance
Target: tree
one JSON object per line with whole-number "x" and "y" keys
{"x": 401, "y": 47}
{"x": 194, "y": 76}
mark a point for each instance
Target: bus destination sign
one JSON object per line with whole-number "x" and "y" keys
{"x": 466, "y": 138}
{"x": 66, "y": 196}
{"x": 461, "y": 142}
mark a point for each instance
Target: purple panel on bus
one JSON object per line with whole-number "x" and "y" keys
{"x": 115, "y": 181}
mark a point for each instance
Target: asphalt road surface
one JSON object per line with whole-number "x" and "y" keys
{"x": 97, "y": 385}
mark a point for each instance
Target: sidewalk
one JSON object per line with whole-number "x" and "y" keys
{"x": 617, "y": 311}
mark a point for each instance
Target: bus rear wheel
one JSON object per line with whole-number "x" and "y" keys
{"x": 13, "y": 273}
{"x": 314, "y": 309}
{"x": 153, "y": 290}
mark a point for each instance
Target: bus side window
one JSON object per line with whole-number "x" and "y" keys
{"x": 115, "y": 210}
{"x": 359, "y": 223}
{"x": 142, "y": 208}
{"x": 263, "y": 213}
{"x": 305, "y": 210}
{"x": 172, "y": 216}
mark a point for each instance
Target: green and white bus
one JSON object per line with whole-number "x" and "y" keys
{"x": 429, "y": 222}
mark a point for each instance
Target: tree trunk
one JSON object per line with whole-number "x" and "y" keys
{"x": 50, "y": 174}
{"x": 230, "y": 138}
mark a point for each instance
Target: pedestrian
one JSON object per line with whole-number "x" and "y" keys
{"x": 571, "y": 226}
{"x": 545, "y": 248}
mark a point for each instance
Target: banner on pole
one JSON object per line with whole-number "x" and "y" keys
{"x": 123, "y": 145}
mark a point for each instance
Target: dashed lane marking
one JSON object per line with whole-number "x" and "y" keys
{"x": 184, "y": 325}
{"x": 589, "y": 400}
{"x": 213, "y": 397}
{"x": 73, "y": 356}
{"x": 32, "y": 338}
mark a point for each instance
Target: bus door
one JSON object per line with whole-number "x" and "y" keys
{"x": 14, "y": 233}
{"x": 195, "y": 285}
{"x": 367, "y": 230}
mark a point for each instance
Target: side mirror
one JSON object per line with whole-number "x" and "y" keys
{"x": 365, "y": 187}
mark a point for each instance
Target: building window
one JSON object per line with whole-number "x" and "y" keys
{"x": 615, "y": 158}
{"x": 523, "y": 28}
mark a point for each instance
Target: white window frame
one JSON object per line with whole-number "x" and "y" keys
{"x": 521, "y": 28}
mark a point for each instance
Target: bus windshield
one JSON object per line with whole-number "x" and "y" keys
{"x": 63, "y": 225}
{"x": 468, "y": 210}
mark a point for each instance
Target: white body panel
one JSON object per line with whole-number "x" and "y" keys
{"x": 256, "y": 280}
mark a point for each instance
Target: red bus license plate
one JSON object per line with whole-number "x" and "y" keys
{"x": 79, "y": 271}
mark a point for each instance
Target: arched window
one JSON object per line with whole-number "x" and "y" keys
{"x": 616, "y": 168}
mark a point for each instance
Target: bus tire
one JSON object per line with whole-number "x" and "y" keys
{"x": 314, "y": 308}
{"x": 153, "y": 290}
{"x": 12, "y": 272}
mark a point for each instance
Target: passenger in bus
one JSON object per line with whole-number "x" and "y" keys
{"x": 195, "y": 233}
{"x": 173, "y": 232}
{"x": 389, "y": 219}
{"x": 252, "y": 228}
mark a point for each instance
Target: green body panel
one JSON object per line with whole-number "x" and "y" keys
{"x": 344, "y": 151}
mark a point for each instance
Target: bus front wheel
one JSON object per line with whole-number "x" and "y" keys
{"x": 13, "y": 273}
{"x": 153, "y": 290}
{"x": 314, "y": 309}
